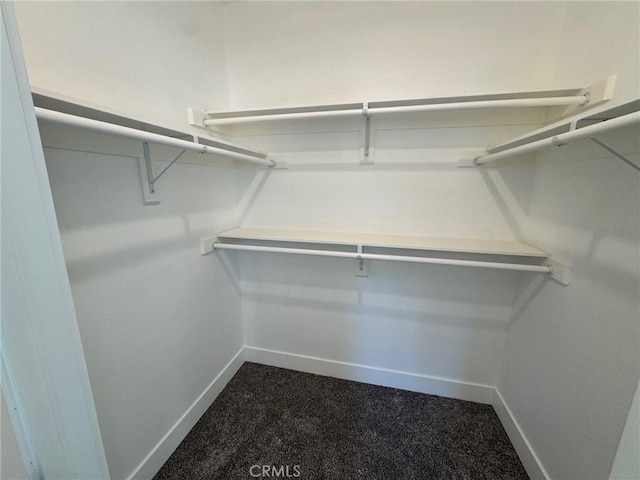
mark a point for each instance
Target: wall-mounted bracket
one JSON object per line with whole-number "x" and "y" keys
{"x": 468, "y": 160}
{"x": 197, "y": 117}
{"x": 206, "y": 245}
{"x": 596, "y": 93}
{"x": 147, "y": 178}
{"x": 366, "y": 149}
{"x": 280, "y": 165}
{"x": 560, "y": 271}
{"x": 362, "y": 269}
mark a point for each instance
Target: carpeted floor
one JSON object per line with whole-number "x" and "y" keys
{"x": 299, "y": 425}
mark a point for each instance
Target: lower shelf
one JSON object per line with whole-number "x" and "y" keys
{"x": 440, "y": 251}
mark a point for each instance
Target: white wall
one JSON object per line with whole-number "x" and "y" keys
{"x": 434, "y": 321}
{"x": 158, "y": 321}
{"x": 600, "y": 38}
{"x": 413, "y": 188}
{"x": 627, "y": 463}
{"x": 571, "y": 363}
{"x": 305, "y": 53}
{"x": 44, "y": 374}
{"x": 567, "y": 376}
{"x": 11, "y": 460}
{"x": 181, "y": 314}
{"x": 148, "y": 60}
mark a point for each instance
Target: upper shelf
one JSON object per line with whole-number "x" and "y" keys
{"x": 63, "y": 104}
{"x": 567, "y": 125}
{"x": 63, "y": 111}
{"x": 568, "y": 101}
{"x": 456, "y": 245}
{"x": 577, "y": 127}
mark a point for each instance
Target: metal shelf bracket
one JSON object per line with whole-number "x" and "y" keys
{"x": 362, "y": 269}
{"x": 366, "y": 157}
{"x": 146, "y": 175}
{"x": 615, "y": 154}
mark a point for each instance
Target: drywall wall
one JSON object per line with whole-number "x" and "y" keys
{"x": 305, "y": 53}
{"x": 438, "y": 322}
{"x": 413, "y": 187}
{"x": 599, "y": 39}
{"x": 439, "y": 327}
{"x": 571, "y": 362}
{"x": 148, "y": 60}
{"x": 158, "y": 321}
{"x": 321, "y": 53}
{"x": 11, "y": 460}
{"x": 44, "y": 375}
{"x": 627, "y": 463}
{"x": 366, "y": 51}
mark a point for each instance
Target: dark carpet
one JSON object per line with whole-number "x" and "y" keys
{"x": 275, "y": 423}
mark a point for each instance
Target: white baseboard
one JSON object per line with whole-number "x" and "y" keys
{"x": 165, "y": 447}
{"x": 525, "y": 451}
{"x": 377, "y": 376}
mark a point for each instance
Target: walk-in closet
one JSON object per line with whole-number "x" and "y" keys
{"x": 320, "y": 240}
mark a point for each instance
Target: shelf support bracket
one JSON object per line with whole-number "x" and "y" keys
{"x": 615, "y": 154}
{"x": 165, "y": 168}
{"x": 366, "y": 157}
{"x": 560, "y": 271}
{"x": 361, "y": 264}
{"x": 146, "y": 175}
{"x": 206, "y": 245}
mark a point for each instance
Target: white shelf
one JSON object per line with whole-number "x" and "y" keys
{"x": 63, "y": 111}
{"x": 548, "y": 98}
{"x": 433, "y": 244}
{"x": 491, "y": 254}
{"x": 64, "y": 104}
{"x": 566, "y": 125}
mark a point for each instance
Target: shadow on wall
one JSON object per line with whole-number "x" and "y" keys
{"x": 252, "y": 183}
{"x": 102, "y": 171}
{"x": 581, "y": 219}
{"x": 434, "y": 320}
{"x": 102, "y": 219}
{"x": 571, "y": 362}
{"x": 527, "y": 295}
{"x": 513, "y": 201}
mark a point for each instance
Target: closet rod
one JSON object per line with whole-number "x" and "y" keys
{"x": 119, "y": 130}
{"x": 563, "y": 138}
{"x": 396, "y": 258}
{"x": 282, "y": 114}
{"x": 513, "y": 103}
